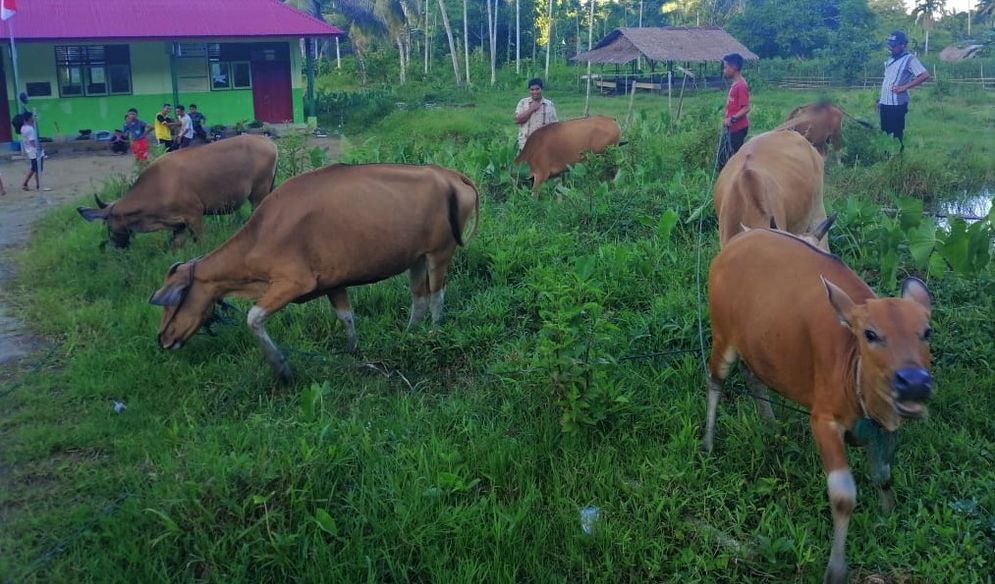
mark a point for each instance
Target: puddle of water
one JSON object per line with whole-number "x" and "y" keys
{"x": 971, "y": 209}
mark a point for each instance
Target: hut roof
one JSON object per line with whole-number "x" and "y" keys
{"x": 668, "y": 43}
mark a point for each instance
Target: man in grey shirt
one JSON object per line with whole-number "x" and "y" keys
{"x": 902, "y": 72}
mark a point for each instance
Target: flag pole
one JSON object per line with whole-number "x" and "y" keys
{"x": 13, "y": 59}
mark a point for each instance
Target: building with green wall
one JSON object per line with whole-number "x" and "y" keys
{"x": 81, "y": 65}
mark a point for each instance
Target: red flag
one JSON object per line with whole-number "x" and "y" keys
{"x": 8, "y": 8}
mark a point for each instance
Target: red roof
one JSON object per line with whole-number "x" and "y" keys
{"x": 46, "y": 20}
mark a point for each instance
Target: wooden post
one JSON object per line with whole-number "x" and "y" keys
{"x": 338, "y": 54}
{"x": 670, "y": 94}
{"x": 632, "y": 98}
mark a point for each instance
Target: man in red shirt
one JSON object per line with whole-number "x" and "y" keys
{"x": 737, "y": 106}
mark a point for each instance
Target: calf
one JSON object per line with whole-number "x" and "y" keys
{"x": 319, "y": 234}
{"x": 821, "y": 123}
{"x": 179, "y": 188}
{"x": 554, "y": 147}
{"x": 806, "y": 326}
{"x": 774, "y": 178}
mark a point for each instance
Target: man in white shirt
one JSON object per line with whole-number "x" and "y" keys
{"x": 902, "y": 72}
{"x": 185, "y": 136}
{"x": 32, "y": 150}
{"x": 533, "y": 112}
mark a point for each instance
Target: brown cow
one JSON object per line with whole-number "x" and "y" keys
{"x": 320, "y": 233}
{"x": 178, "y": 189}
{"x": 775, "y": 177}
{"x": 821, "y": 123}
{"x": 554, "y": 147}
{"x": 808, "y": 327}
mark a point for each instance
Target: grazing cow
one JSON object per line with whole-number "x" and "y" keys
{"x": 320, "y": 233}
{"x": 821, "y": 123}
{"x": 554, "y": 147}
{"x": 808, "y": 327}
{"x": 178, "y": 189}
{"x": 775, "y": 177}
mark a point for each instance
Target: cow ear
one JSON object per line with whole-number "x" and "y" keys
{"x": 915, "y": 289}
{"x": 841, "y": 302}
{"x": 93, "y": 214}
{"x": 169, "y": 295}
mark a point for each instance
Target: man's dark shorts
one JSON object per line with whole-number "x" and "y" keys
{"x": 893, "y": 119}
{"x": 34, "y": 164}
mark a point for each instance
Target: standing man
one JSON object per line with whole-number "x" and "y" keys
{"x": 902, "y": 72}
{"x": 137, "y": 131}
{"x": 737, "y": 107}
{"x": 533, "y": 112}
{"x": 185, "y": 135}
{"x": 163, "y": 128}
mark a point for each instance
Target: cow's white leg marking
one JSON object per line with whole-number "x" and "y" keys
{"x": 349, "y": 322}
{"x": 437, "y": 300}
{"x": 842, "y": 499}
{"x": 419, "y": 304}
{"x": 343, "y": 310}
{"x": 714, "y": 393}
{"x": 759, "y": 392}
{"x": 256, "y": 319}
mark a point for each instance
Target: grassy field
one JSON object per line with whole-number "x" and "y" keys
{"x": 467, "y": 452}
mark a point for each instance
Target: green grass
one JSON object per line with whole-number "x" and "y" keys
{"x": 459, "y": 472}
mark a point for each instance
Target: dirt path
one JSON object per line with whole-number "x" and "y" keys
{"x": 69, "y": 177}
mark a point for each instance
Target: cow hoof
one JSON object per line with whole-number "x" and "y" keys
{"x": 887, "y": 500}
{"x": 351, "y": 346}
{"x": 835, "y": 576}
{"x": 283, "y": 372}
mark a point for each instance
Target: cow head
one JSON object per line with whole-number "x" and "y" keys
{"x": 892, "y": 336}
{"x": 185, "y": 302}
{"x": 118, "y": 232}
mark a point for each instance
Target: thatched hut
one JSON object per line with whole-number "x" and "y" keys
{"x": 672, "y": 45}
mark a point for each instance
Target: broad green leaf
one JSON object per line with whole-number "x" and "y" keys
{"x": 922, "y": 240}
{"x": 909, "y": 213}
{"x": 667, "y": 222}
{"x": 325, "y": 521}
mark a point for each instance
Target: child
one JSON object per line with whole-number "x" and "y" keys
{"x": 737, "y": 105}
{"x": 32, "y": 149}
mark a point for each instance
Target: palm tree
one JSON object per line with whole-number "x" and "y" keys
{"x": 985, "y": 9}
{"x": 452, "y": 44}
{"x": 925, "y": 13}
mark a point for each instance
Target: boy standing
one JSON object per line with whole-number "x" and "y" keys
{"x": 32, "y": 149}
{"x": 737, "y": 106}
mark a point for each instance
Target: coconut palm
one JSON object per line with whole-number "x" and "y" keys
{"x": 985, "y": 9}
{"x": 925, "y": 13}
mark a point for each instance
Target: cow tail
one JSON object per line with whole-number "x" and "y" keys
{"x": 863, "y": 123}
{"x": 454, "y": 216}
{"x": 454, "y": 210}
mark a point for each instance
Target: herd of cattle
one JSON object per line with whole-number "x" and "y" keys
{"x": 800, "y": 320}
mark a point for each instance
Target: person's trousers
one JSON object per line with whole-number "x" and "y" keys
{"x": 736, "y": 140}
{"x": 893, "y": 120}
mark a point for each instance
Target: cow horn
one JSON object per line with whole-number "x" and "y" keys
{"x": 172, "y": 268}
{"x": 100, "y": 204}
{"x": 823, "y": 228}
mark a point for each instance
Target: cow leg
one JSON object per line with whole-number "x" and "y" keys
{"x": 179, "y": 235}
{"x": 718, "y": 366}
{"x": 419, "y": 291}
{"x": 339, "y": 298}
{"x": 537, "y": 180}
{"x": 278, "y": 296}
{"x": 759, "y": 392}
{"x": 438, "y": 265}
{"x": 195, "y": 226}
{"x": 842, "y": 492}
